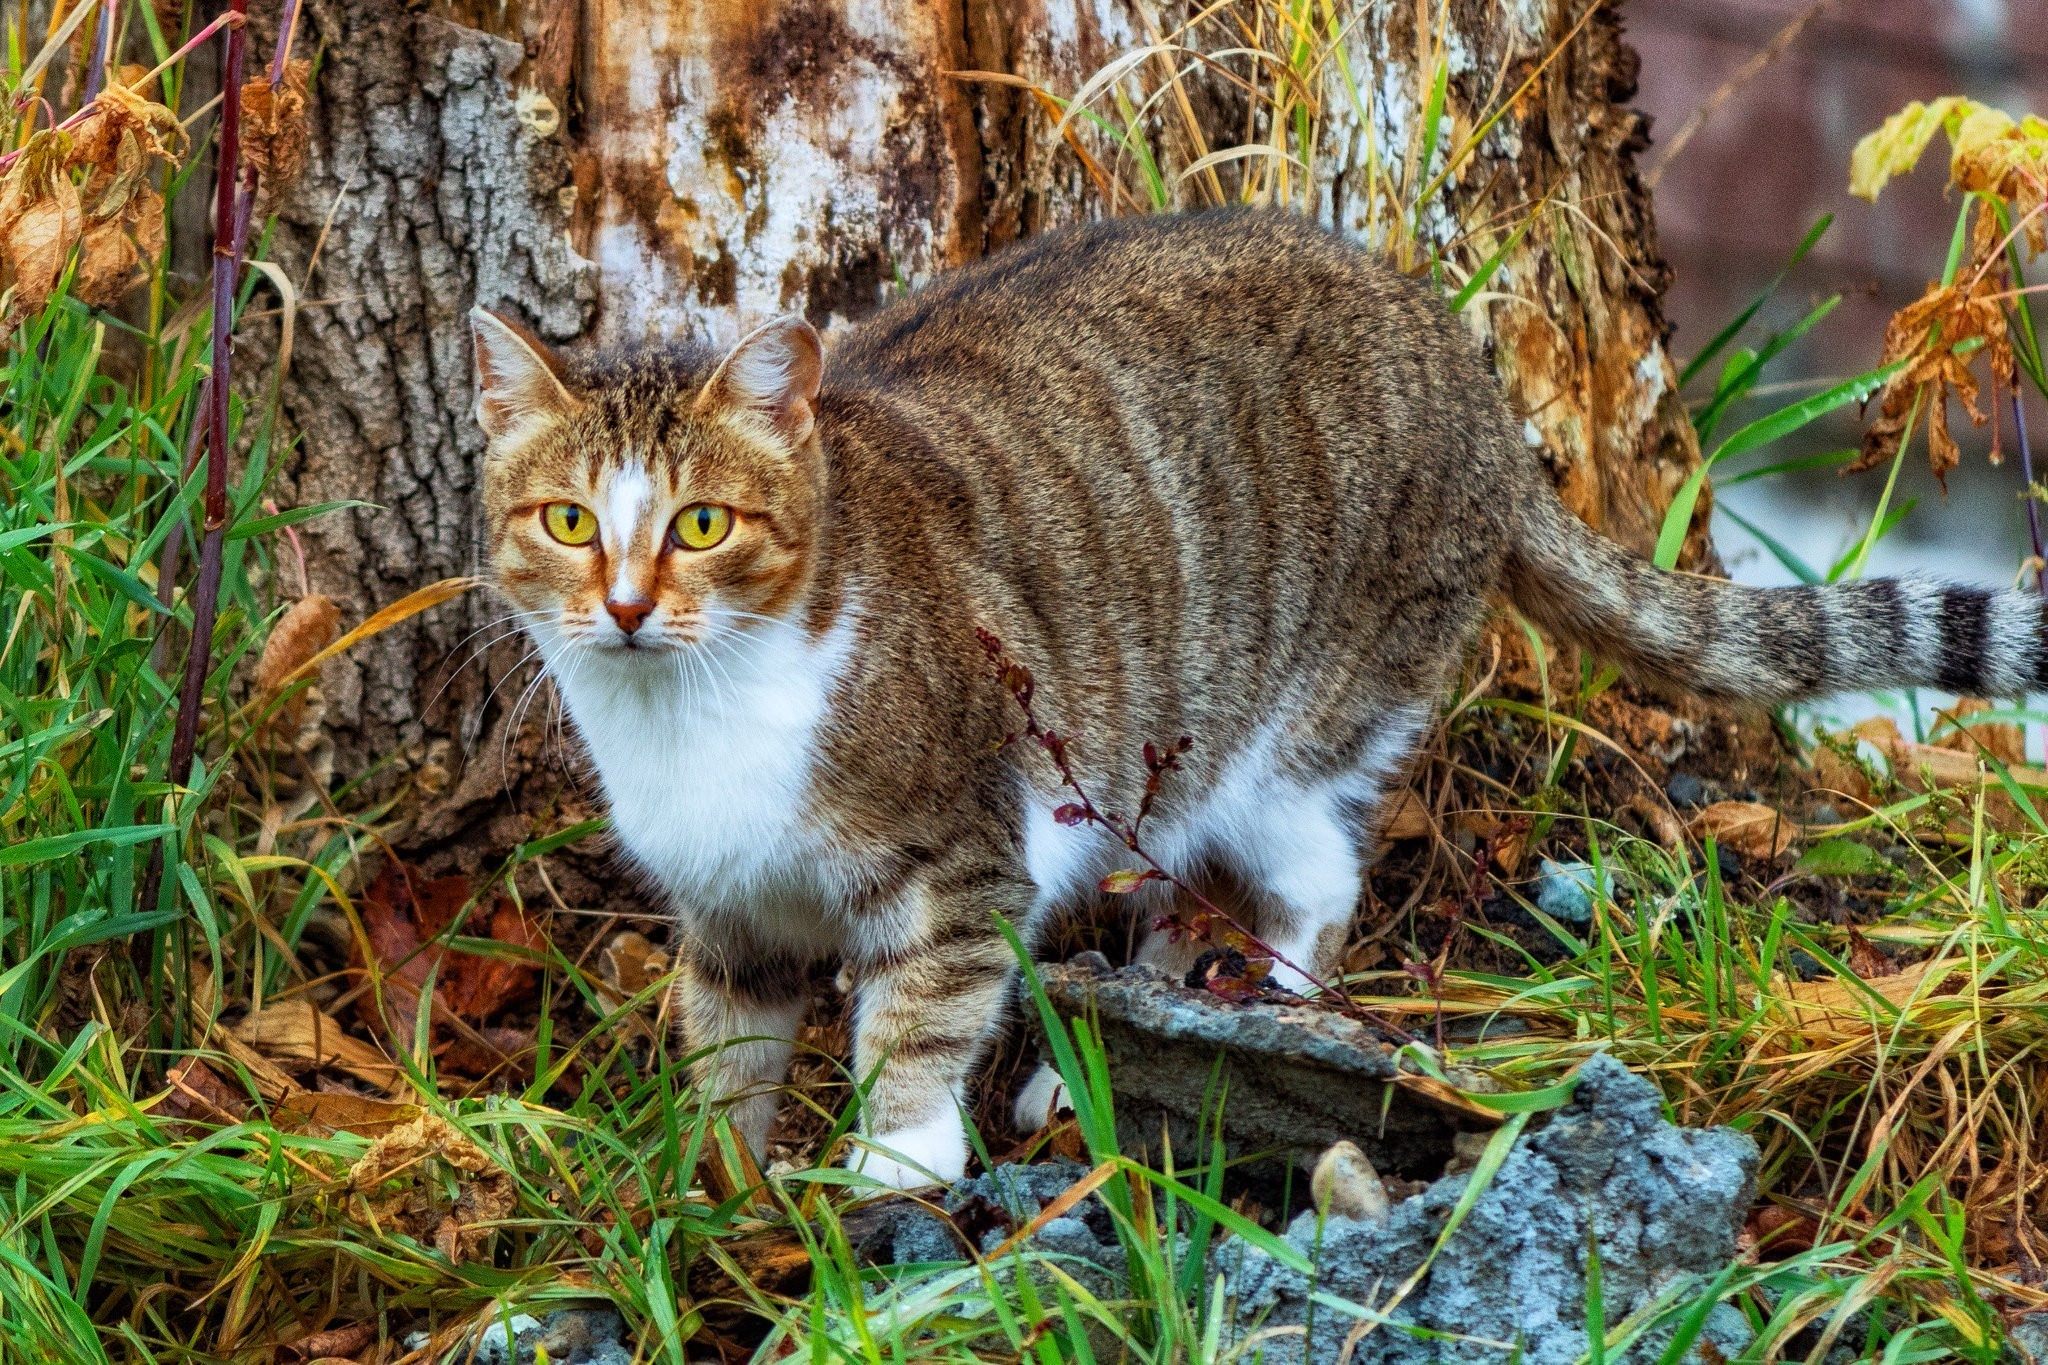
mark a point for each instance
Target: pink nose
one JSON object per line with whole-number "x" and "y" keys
{"x": 629, "y": 615}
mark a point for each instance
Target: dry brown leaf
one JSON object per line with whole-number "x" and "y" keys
{"x": 299, "y": 1031}
{"x": 336, "y": 1343}
{"x": 627, "y": 965}
{"x": 1866, "y": 959}
{"x": 322, "y": 1113}
{"x": 40, "y": 220}
{"x": 1940, "y": 336}
{"x": 308, "y": 626}
{"x": 394, "y": 1184}
{"x": 2003, "y": 740}
{"x": 1751, "y": 829}
{"x": 405, "y": 919}
{"x": 1831, "y": 999}
{"x": 198, "y": 1092}
{"x": 1409, "y": 819}
{"x": 274, "y": 135}
{"x": 1932, "y": 767}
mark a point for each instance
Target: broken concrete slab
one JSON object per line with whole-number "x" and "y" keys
{"x": 1296, "y": 1077}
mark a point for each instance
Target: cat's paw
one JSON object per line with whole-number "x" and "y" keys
{"x": 1042, "y": 1100}
{"x": 929, "y": 1153}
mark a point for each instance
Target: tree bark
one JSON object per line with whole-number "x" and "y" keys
{"x": 611, "y": 169}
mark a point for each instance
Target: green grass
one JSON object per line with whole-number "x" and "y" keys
{"x": 1901, "y": 1128}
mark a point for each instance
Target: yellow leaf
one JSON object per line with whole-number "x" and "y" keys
{"x": 383, "y": 619}
{"x": 1895, "y": 147}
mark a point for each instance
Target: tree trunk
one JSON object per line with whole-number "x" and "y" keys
{"x": 611, "y": 169}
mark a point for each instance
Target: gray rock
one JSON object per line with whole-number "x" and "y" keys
{"x": 572, "y": 1336}
{"x": 1566, "y": 891}
{"x": 1660, "y": 1203}
{"x": 1684, "y": 789}
{"x": 2028, "y": 1339}
{"x": 1291, "y": 1078}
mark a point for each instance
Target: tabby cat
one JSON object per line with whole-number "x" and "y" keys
{"x": 1218, "y": 475}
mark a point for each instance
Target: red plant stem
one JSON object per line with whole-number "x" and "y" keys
{"x": 205, "y": 596}
{"x": 245, "y": 204}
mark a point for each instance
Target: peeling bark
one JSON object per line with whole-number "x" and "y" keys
{"x": 615, "y": 168}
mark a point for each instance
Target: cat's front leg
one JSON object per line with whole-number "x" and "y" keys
{"x": 739, "y": 1007}
{"x": 925, "y": 1010}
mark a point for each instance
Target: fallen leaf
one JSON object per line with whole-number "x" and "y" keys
{"x": 1408, "y": 819}
{"x": 2002, "y": 740}
{"x": 405, "y": 920}
{"x": 396, "y": 1183}
{"x": 322, "y": 1113}
{"x": 1751, "y": 829}
{"x": 1830, "y": 999}
{"x": 334, "y": 1343}
{"x": 300, "y": 1031}
{"x": 198, "y": 1092}
{"x": 1866, "y": 959}
{"x": 627, "y": 965}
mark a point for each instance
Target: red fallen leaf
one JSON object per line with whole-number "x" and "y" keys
{"x": 1778, "y": 1232}
{"x": 1125, "y": 880}
{"x": 405, "y": 918}
{"x": 1868, "y": 960}
{"x": 335, "y": 1342}
{"x": 198, "y": 1092}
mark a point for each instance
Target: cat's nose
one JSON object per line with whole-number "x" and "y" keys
{"x": 629, "y": 615}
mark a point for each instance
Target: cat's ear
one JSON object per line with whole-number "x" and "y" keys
{"x": 773, "y": 373}
{"x": 517, "y": 380}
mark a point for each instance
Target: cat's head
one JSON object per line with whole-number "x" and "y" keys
{"x": 668, "y": 503}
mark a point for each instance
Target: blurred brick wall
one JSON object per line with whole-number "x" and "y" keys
{"x": 1733, "y": 204}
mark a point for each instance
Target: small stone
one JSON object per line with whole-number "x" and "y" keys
{"x": 1345, "y": 1185}
{"x": 1565, "y": 891}
{"x": 1683, "y": 789}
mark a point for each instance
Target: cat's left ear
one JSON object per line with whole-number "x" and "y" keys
{"x": 517, "y": 383}
{"x": 773, "y": 373}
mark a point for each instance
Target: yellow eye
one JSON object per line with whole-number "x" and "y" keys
{"x": 703, "y": 526}
{"x": 568, "y": 523}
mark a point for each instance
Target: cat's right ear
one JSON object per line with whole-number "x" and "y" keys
{"x": 518, "y": 386}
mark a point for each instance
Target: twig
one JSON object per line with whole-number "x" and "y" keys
{"x": 1018, "y": 682}
{"x": 1728, "y": 89}
{"x": 226, "y": 270}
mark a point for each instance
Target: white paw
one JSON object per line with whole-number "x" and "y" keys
{"x": 931, "y": 1153}
{"x": 1040, "y": 1101}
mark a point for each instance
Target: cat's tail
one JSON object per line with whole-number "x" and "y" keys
{"x": 1719, "y": 639}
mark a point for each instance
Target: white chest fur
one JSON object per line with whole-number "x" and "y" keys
{"x": 706, "y": 762}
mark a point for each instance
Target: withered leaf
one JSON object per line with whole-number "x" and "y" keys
{"x": 40, "y": 220}
{"x": 1751, "y": 829}
{"x": 274, "y": 135}
{"x": 405, "y": 918}
{"x": 308, "y": 626}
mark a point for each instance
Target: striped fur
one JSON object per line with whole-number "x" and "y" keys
{"x": 1721, "y": 639}
{"x": 1221, "y": 476}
